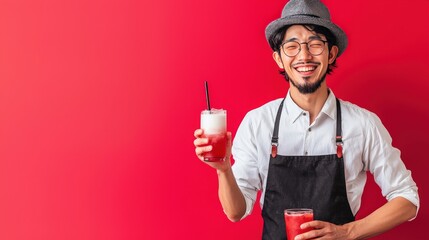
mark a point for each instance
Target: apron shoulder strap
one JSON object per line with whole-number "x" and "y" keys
{"x": 275, "y": 138}
{"x": 339, "y": 138}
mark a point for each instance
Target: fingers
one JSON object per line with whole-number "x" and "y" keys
{"x": 200, "y": 144}
{"x": 321, "y": 230}
{"x": 200, "y": 140}
{"x": 313, "y": 224}
{"x": 228, "y": 144}
{"x": 198, "y": 133}
{"x": 201, "y": 147}
{"x": 201, "y": 150}
{"x": 229, "y": 137}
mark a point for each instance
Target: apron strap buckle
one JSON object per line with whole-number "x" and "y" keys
{"x": 339, "y": 141}
{"x": 274, "y": 150}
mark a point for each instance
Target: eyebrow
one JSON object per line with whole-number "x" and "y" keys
{"x": 310, "y": 38}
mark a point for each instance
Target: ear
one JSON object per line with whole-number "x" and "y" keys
{"x": 278, "y": 59}
{"x": 333, "y": 54}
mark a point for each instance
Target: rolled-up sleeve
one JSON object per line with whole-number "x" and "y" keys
{"x": 385, "y": 163}
{"x": 245, "y": 165}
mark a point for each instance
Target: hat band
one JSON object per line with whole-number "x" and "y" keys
{"x": 307, "y": 15}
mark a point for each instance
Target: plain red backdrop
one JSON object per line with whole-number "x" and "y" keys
{"x": 99, "y": 100}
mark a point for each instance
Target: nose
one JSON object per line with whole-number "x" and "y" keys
{"x": 304, "y": 54}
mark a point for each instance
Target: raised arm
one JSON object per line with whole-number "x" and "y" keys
{"x": 230, "y": 195}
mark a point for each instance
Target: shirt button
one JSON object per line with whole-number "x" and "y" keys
{"x": 306, "y": 153}
{"x": 309, "y": 129}
{"x": 304, "y": 114}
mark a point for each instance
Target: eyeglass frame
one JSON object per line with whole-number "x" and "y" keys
{"x": 300, "y": 48}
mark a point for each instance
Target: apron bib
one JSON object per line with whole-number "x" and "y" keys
{"x": 315, "y": 182}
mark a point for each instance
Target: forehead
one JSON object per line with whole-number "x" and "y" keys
{"x": 300, "y": 32}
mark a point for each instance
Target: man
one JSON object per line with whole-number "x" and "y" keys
{"x": 312, "y": 150}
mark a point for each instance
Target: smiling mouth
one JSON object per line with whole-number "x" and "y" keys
{"x": 305, "y": 69}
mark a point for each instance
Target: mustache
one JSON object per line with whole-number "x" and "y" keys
{"x": 306, "y": 62}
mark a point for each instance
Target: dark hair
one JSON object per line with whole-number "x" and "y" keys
{"x": 277, "y": 38}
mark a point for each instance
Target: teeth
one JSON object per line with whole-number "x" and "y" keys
{"x": 305, "y": 69}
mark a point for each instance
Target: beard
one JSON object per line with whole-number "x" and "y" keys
{"x": 306, "y": 88}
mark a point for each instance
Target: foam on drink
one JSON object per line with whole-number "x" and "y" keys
{"x": 213, "y": 121}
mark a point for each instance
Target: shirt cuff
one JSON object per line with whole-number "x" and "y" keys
{"x": 249, "y": 206}
{"x": 413, "y": 197}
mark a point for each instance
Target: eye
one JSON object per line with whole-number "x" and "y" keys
{"x": 291, "y": 46}
{"x": 316, "y": 44}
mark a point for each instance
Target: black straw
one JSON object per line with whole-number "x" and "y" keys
{"x": 207, "y": 95}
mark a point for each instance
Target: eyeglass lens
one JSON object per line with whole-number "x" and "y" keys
{"x": 315, "y": 47}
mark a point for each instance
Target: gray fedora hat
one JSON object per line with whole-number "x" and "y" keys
{"x": 307, "y": 12}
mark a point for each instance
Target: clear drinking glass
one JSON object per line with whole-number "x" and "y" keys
{"x": 213, "y": 122}
{"x": 294, "y": 218}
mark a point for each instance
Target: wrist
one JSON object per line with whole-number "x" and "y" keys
{"x": 351, "y": 230}
{"x": 223, "y": 171}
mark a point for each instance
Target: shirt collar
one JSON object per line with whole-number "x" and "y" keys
{"x": 294, "y": 111}
{"x": 330, "y": 106}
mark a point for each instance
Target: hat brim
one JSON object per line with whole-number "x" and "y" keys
{"x": 339, "y": 34}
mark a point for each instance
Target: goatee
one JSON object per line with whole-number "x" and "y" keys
{"x": 307, "y": 88}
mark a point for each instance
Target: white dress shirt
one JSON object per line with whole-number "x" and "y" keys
{"x": 367, "y": 147}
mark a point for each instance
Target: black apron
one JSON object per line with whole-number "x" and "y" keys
{"x": 315, "y": 182}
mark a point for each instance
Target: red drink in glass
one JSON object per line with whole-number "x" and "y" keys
{"x": 294, "y": 218}
{"x": 213, "y": 122}
{"x": 218, "y": 141}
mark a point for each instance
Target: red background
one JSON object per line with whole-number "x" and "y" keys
{"x": 99, "y": 100}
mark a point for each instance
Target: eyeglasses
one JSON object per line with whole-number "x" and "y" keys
{"x": 315, "y": 47}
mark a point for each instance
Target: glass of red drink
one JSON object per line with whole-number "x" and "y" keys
{"x": 294, "y": 218}
{"x": 213, "y": 122}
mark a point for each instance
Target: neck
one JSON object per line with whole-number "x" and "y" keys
{"x": 312, "y": 102}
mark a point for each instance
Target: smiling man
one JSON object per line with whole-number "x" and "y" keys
{"x": 311, "y": 149}
{"x": 310, "y": 65}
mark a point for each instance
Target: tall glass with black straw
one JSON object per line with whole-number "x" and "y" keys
{"x": 213, "y": 123}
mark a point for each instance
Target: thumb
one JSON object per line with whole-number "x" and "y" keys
{"x": 228, "y": 144}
